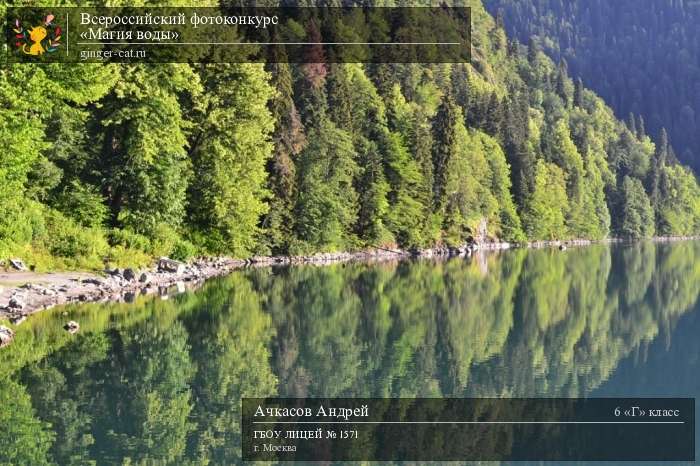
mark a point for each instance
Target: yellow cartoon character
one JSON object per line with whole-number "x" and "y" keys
{"x": 36, "y": 35}
{"x": 39, "y": 39}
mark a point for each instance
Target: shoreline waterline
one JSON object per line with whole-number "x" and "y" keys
{"x": 34, "y": 292}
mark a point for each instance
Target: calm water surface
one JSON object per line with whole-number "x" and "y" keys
{"x": 160, "y": 381}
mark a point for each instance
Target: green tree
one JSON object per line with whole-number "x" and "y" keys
{"x": 545, "y": 213}
{"x": 289, "y": 139}
{"x": 654, "y": 179}
{"x": 372, "y": 189}
{"x": 229, "y": 153}
{"x": 443, "y": 149}
{"x": 326, "y": 207}
{"x": 468, "y": 199}
{"x": 637, "y": 214}
{"x": 143, "y": 132}
{"x": 679, "y": 210}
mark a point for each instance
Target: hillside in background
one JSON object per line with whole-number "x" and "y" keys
{"x": 119, "y": 163}
{"x": 641, "y": 56}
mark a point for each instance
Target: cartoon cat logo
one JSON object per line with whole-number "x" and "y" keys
{"x": 40, "y": 39}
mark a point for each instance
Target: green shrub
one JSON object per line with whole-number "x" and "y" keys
{"x": 84, "y": 204}
{"x": 128, "y": 239}
{"x": 121, "y": 256}
{"x": 183, "y": 250}
{"x": 163, "y": 240}
{"x": 22, "y": 223}
{"x": 67, "y": 239}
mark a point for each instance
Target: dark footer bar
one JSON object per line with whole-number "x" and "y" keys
{"x": 525, "y": 429}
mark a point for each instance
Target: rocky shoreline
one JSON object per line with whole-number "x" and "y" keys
{"x": 170, "y": 276}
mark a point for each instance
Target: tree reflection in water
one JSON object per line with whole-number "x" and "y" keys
{"x": 160, "y": 382}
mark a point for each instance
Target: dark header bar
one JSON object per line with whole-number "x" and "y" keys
{"x": 241, "y": 34}
{"x": 601, "y": 429}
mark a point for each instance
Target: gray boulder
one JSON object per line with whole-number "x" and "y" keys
{"x": 129, "y": 274}
{"x": 16, "y": 320}
{"x": 72, "y": 327}
{"x": 6, "y": 336}
{"x": 171, "y": 266}
{"x": 16, "y": 302}
{"x": 93, "y": 281}
{"x": 17, "y": 264}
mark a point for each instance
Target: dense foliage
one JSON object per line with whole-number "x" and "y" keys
{"x": 122, "y": 162}
{"x": 641, "y": 56}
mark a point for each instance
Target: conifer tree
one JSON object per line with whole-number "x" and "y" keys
{"x": 561, "y": 83}
{"x": 494, "y": 116}
{"x": 229, "y": 153}
{"x": 632, "y": 123}
{"x": 578, "y": 93}
{"x": 641, "y": 128}
{"x": 372, "y": 190}
{"x": 289, "y": 139}
{"x": 443, "y": 148}
{"x": 326, "y": 206}
{"x": 637, "y": 214}
{"x": 545, "y": 213}
{"x": 340, "y": 97}
{"x": 460, "y": 87}
{"x": 143, "y": 161}
{"x": 655, "y": 173}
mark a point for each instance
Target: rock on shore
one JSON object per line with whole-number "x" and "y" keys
{"x": 6, "y": 336}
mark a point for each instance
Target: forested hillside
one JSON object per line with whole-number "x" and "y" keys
{"x": 124, "y": 162}
{"x": 641, "y": 56}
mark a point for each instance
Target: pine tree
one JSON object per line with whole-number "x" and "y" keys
{"x": 641, "y": 128}
{"x": 340, "y": 97}
{"x": 310, "y": 93}
{"x": 367, "y": 122}
{"x": 632, "y": 123}
{"x": 657, "y": 167}
{"x": 422, "y": 144}
{"x": 637, "y": 214}
{"x": 372, "y": 190}
{"x": 562, "y": 81}
{"x": 545, "y": 212}
{"x": 494, "y": 116}
{"x": 229, "y": 153}
{"x": 143, "y": 161}
{"x": 506, "y": 224}
{"x": 410, "y": 176}
{"x": 326, "y": 208}
{"x": 289, "y": 139}
{"x": 519, "y": 155}
{"x": 443, "y": 148}
{"x": 460, "y": 87}
{"x": 578, "y": 93}
{"x": 533, "y": 51}
{"x": 500, "y": 23}
{"x": 383, "y": 78}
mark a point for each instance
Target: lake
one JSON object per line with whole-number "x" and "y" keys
{"x": 159, "y": 381}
